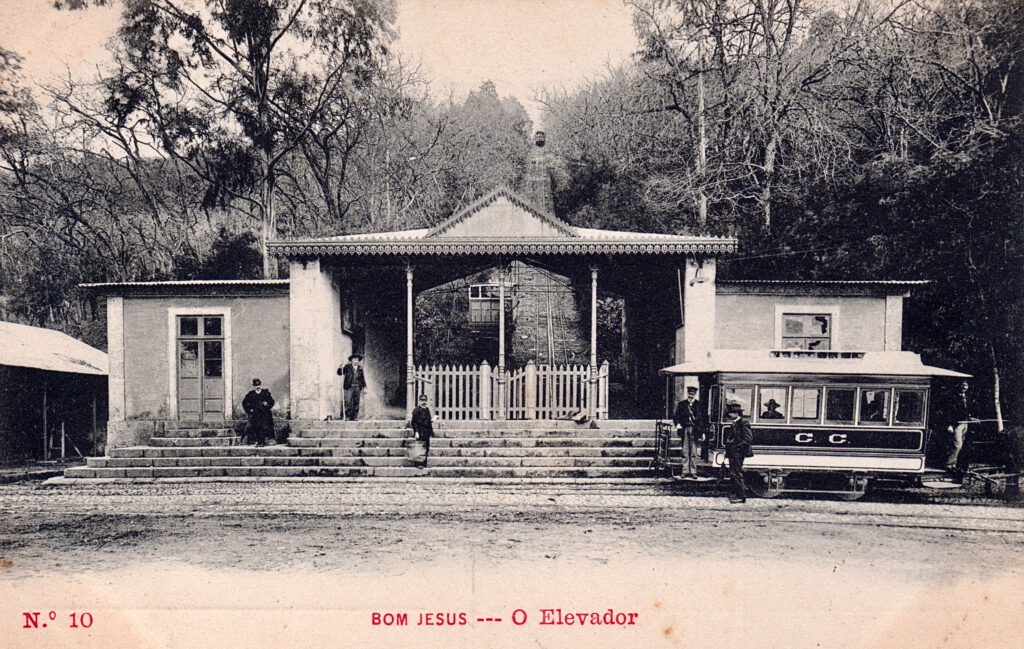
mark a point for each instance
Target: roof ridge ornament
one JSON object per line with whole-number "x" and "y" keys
{"x": 516, "y": 199}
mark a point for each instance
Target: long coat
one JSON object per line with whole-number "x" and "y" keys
{"x": 421, "y": 423}
{"x": 258, "y": 407}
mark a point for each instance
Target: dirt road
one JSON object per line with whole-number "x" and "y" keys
{"x": 804, "y": 570}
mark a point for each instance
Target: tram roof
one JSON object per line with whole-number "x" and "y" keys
{"x": 791, "y": 361}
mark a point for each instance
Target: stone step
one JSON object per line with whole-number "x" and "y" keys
{"x": 333, "y": 433}
{"x": 471, "y": 424}
{"x": 472, "y": 442}
{"x": 195, "y": 441}
{"x": 367, "y": 461}
{"x": 196, "y": 432}
{"x": 342, "y": 471}
{"x": 376, "y": 451}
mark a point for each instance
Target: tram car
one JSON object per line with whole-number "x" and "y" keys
{"x": 823, "y": 421}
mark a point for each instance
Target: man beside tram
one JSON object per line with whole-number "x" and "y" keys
{"x": 959, "y": 414}
{"x": 690, "y": 419}
{"x": 739, "y": 438}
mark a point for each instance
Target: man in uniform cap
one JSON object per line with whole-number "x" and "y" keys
{"x": 691, "y": 423}
{"x": 738, "y": 440}
{"x": 353, "y": 383}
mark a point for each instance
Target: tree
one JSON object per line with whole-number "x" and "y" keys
{"x": 233, "y": 88}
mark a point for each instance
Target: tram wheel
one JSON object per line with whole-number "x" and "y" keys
{"x": 758, "y": 483}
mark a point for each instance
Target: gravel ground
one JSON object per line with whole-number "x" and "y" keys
{"x": 411, "y": 545}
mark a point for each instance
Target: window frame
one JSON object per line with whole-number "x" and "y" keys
{"x": 832, "y": 311}
{"x": 173, "y": 336}
{"x": 494, "y": 300}
{"x": 924, "y": 407}
{"x": 861, "y": 389}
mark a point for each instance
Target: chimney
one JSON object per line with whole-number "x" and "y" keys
{"x": 537, "y": 183}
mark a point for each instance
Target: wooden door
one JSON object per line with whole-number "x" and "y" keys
{"x": 201, "y": 389}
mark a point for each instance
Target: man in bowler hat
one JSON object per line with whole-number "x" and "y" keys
{"x": 258, "y": 404}
{"x": 353, "y": 383}
{"x": 738, "y": 440}
{"x": 691, "y": 423}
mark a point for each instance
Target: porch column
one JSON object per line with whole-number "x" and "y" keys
{"x": 501, "y": 407}
{"x": 314, "y": 305}
{"x": 698, "y": 307}
{"x": 410, "y": 368}
{"x": 592, "y": 383}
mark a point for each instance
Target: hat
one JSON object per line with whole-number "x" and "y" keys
{"x": 734, "y": 406}
{"x": 423, "y": 397}
{"x": 355, "y": 356}
{"x": 256, "y": 382}
{"x": 772, "y": 403}
{"x": 691, "y": 389}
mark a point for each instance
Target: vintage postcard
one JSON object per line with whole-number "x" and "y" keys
{"x": 511, "y": 323}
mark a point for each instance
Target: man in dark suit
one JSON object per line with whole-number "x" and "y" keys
{"x": 353, "y": 383}
{"x": 959, "y": 414}
{"x": 258, "y": 405}
{"x": 738, "y": 440}
{"x": 691, "y": 423}
{"x": 422, "y": 424}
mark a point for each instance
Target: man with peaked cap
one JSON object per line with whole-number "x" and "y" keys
{"x": 691, "y": 423}
{"x": 258, "y": 405}
{"x": 353, "y": 383}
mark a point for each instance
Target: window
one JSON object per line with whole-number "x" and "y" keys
{"x": 909, "y": 407}
{"x": 483, "y": 304}
{"x": 772, "y": 404}
{"x": 839, "y": 404}
{"x": 806, "y": 404}
{"x": 807, "y": 331}
{"x": 743, "y": 396}
{"x": 874, "y": 406}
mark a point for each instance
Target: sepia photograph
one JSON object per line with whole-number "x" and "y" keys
{"x": 512, "y": 323}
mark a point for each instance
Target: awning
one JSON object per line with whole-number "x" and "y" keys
{"x": 48, "y": 349}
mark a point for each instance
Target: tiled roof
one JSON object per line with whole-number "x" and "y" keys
{"x": 48, "y": 349}
{"x": 187, "y": 282}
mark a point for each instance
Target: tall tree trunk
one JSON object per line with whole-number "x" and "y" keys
{"x": 769, "y": 179}
{"x": 702, "y": 148}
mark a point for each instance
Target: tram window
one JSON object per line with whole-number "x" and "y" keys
{"x": 806, "y": 404}
{"x": 745, "y": 396}
{"x": 909, "y": 407}
{"x": 874, "y": 406}
{"x": 772, "y": 403}
{"x": 839, "y": 405}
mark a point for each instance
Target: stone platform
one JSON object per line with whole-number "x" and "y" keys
{"x": 616, "y": 449}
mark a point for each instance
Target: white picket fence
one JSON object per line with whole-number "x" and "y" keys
{"x": 531, "y": 392}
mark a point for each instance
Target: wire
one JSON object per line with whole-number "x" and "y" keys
{"x": 778, "y": 254}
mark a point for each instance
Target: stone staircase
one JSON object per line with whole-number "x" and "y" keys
{"x": 617, "y": 449}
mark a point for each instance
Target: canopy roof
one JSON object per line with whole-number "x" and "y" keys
{"x": 504, "y": 223}
{"x": 790, "y": 361}
{"x": 47, "y": 349}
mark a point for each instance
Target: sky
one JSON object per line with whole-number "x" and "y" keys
{"x": 520, "y": 45}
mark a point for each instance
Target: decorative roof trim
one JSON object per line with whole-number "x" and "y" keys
{"x": 538, "y": 246}
{"x": 187, "y": 282}
{"x": 492, "y": 196}
{"x": 831, "y": 282}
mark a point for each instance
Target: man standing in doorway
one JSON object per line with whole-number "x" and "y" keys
{"x": 691, "y": 423}
{"x": 353, "y": 383}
